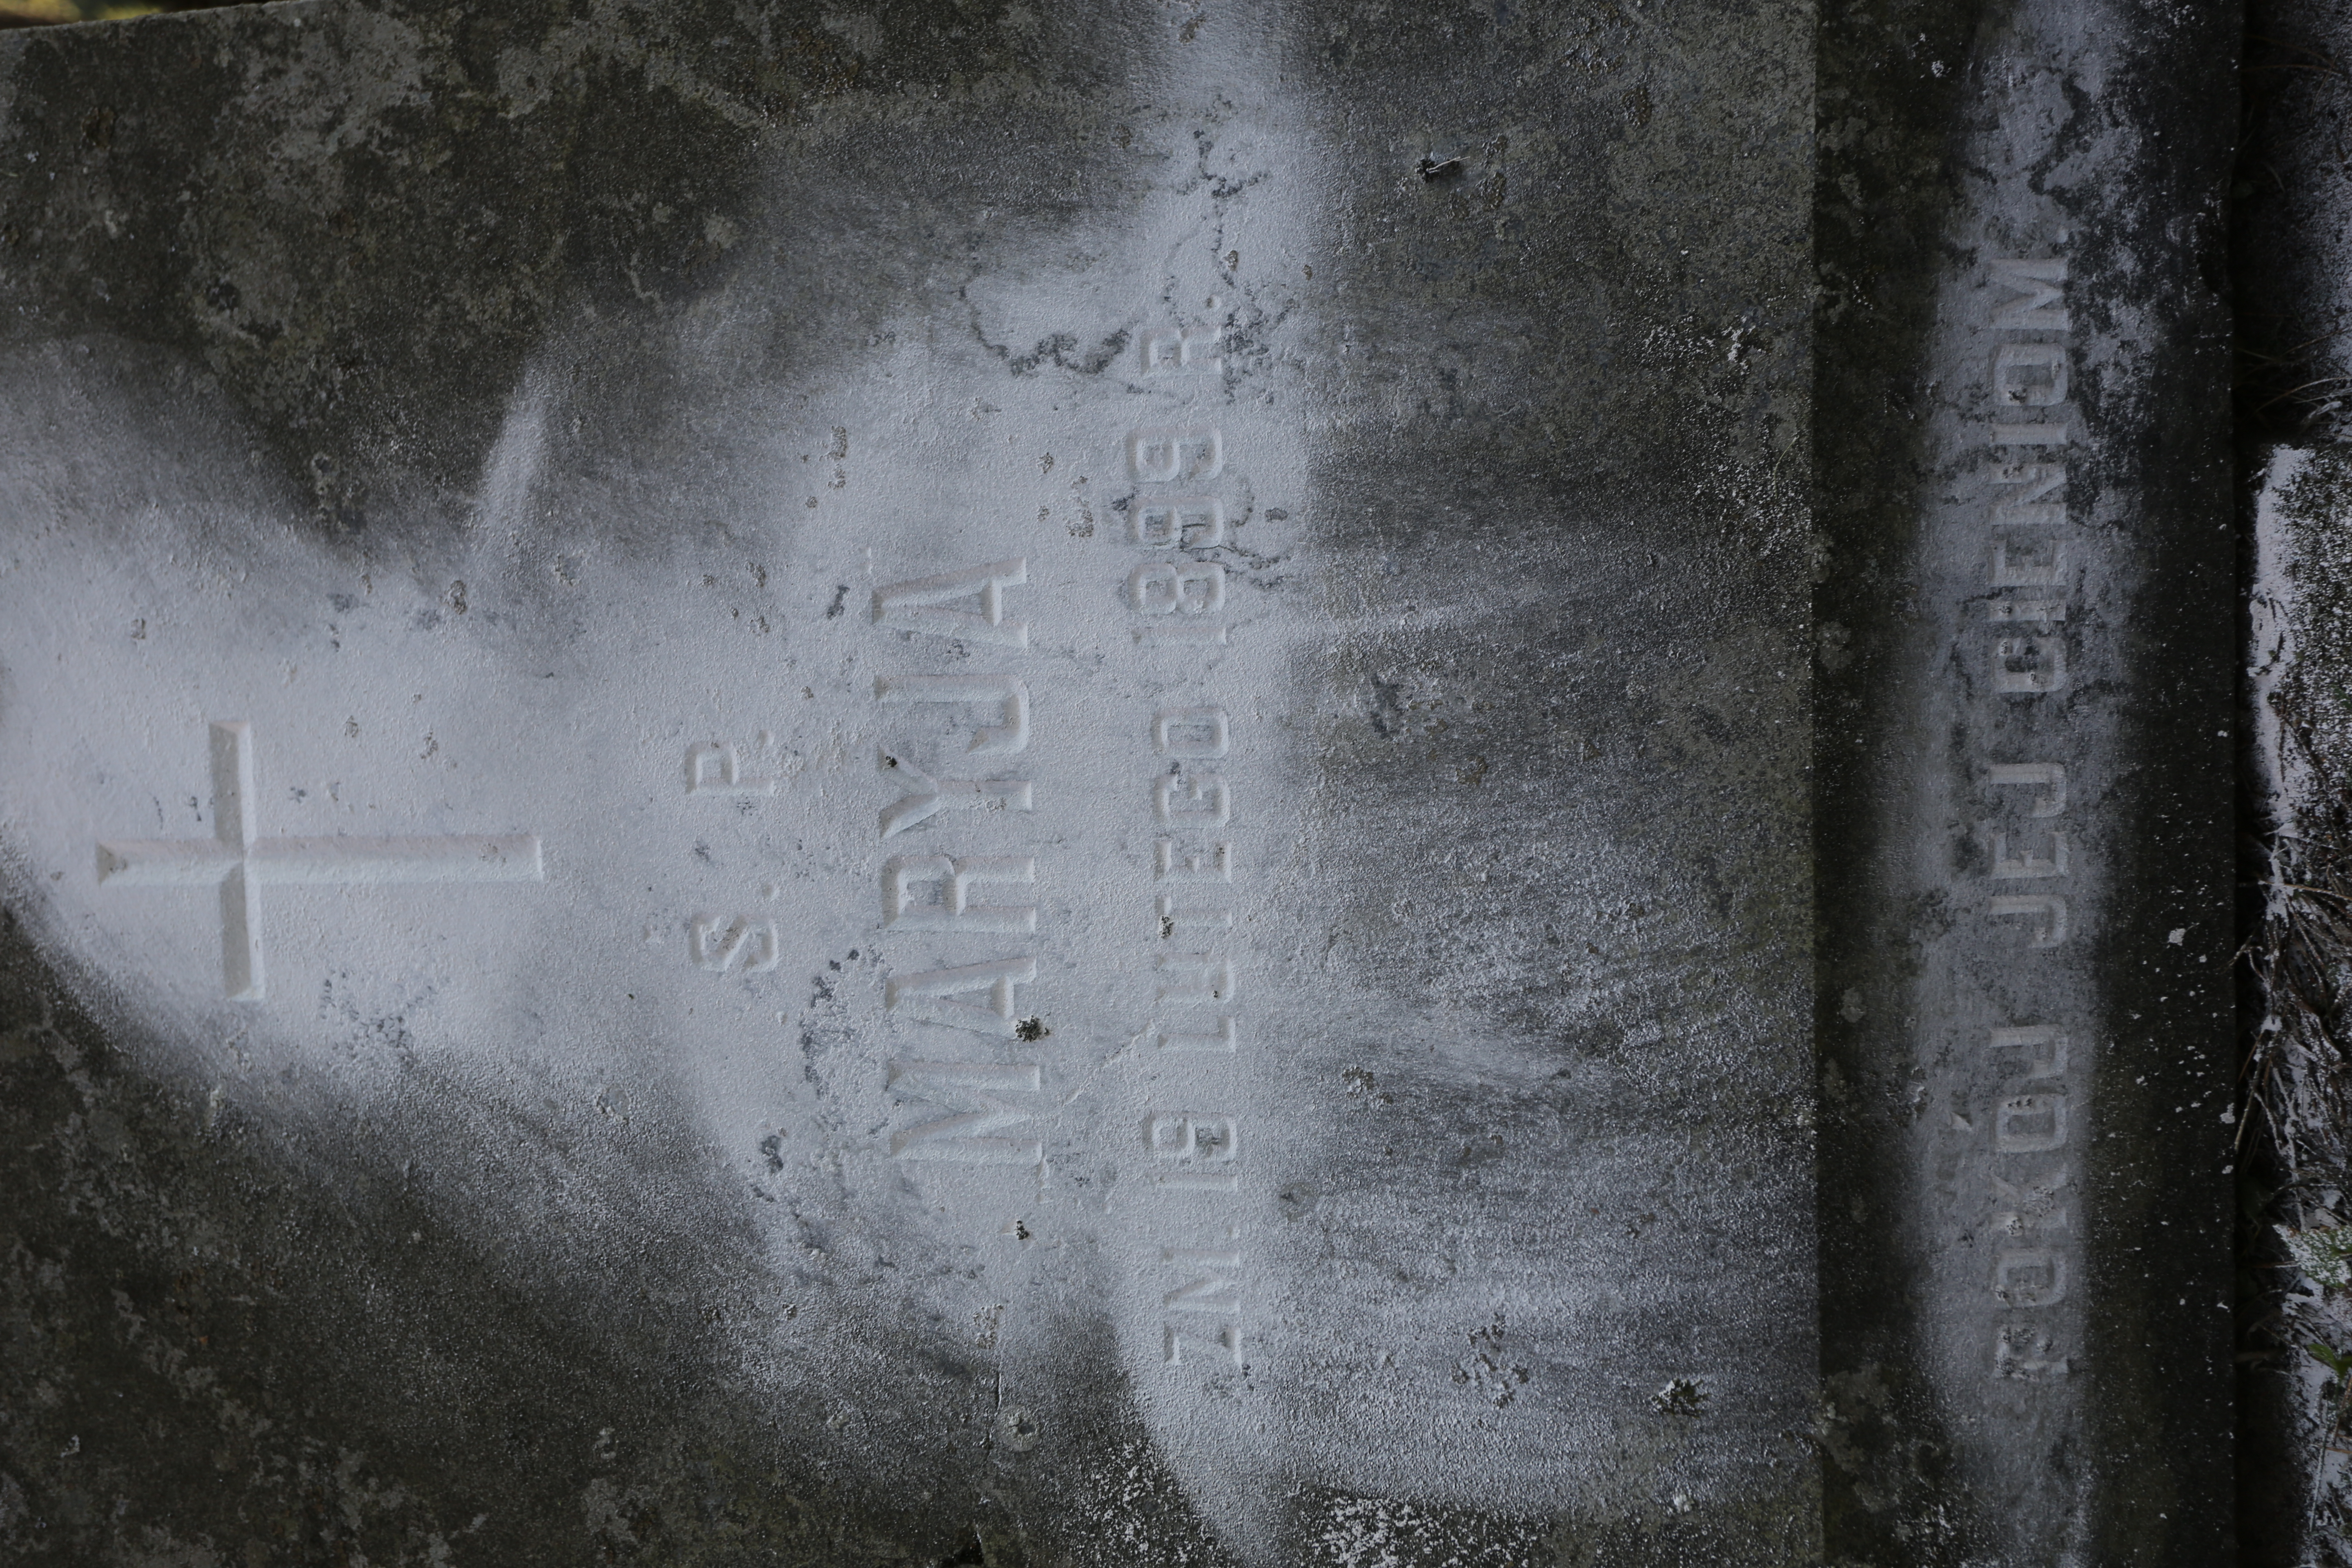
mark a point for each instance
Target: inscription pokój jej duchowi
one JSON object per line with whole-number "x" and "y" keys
{"x": 2029, "y": 858}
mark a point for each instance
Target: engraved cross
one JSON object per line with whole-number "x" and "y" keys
{"x": 238, "y": 860}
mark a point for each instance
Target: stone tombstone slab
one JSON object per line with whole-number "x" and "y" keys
{"x": 1017, "y": 785}
{"x": 2025, "y": 743}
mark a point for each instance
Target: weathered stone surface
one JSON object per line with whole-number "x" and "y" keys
{"x": 1339, "y": 1087}
{"x": 2024, "y": 809}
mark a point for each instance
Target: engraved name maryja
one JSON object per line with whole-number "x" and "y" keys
{"x": 1175, "y": 601}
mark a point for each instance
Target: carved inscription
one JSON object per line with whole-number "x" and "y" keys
{"x": 1179, "y": 597}
{"x": 934, "y": 892}
{"x": 1008, "y": 697}
{"x": 925, "y": 794}
{"x": 1186, "y": 523}
{"x": 715, "y": 767}
{"x": 237, "y": 861}
{"x": 1164, "y": 456}
{"x": 935, "y": 605}
{"x": 968, "y": 903}
{"x": 739, "y": 944}
{"x": 2030, "y": 856}
{"x": 976, "y": 1092}
{"x": 1170, "y": 350}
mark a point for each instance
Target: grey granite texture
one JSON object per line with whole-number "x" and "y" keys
{"x": 577, "y": 368}
{"x": 2095, "y": 138}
